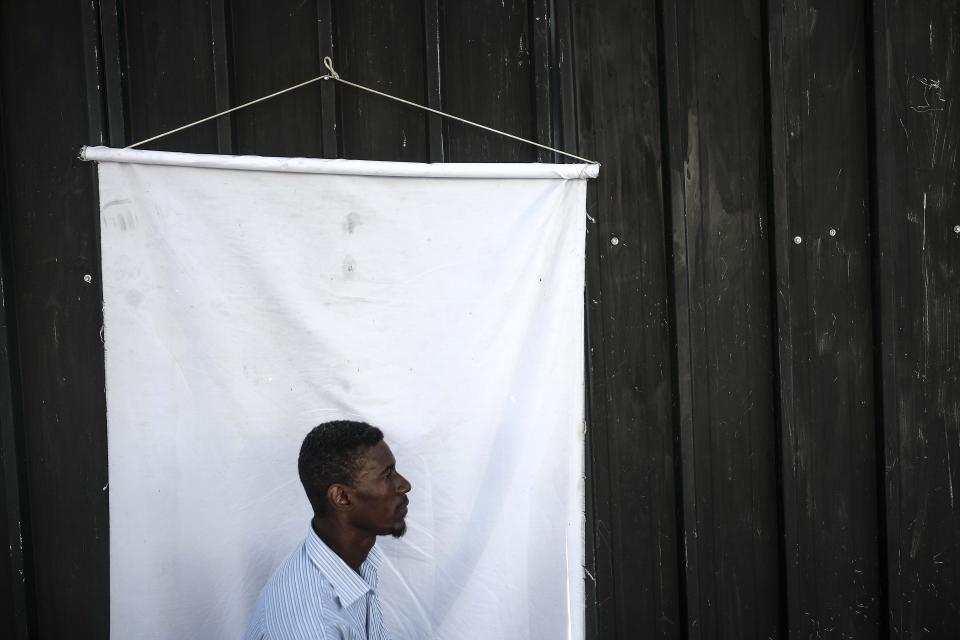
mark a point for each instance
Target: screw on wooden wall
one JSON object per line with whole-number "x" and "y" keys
{"x": 956, "y": 229}
{"x": 614, "y": 240}
{"x": 797, "y": 239}
{"x": 832, "y": 232}
{"x": 88, "y": 278}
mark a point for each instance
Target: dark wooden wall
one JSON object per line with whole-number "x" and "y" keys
{"x": 773, "y": 274}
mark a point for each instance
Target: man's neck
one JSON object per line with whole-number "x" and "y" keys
{"x": 351, "y": 545}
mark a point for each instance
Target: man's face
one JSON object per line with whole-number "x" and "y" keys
{"x": 379, "y": 493}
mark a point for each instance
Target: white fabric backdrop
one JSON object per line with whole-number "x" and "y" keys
{"x": 247, "y": 303}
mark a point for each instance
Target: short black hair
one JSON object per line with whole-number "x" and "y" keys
{"x": 330, "y": 454}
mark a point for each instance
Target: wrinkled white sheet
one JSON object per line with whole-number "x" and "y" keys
{"x": 244, "y": 305}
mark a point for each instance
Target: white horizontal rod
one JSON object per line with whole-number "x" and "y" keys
{"x": 490, "y": 170}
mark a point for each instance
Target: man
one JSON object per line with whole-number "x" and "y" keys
{"x": 326, "y": 590}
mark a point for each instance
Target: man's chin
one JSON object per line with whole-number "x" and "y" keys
{"x": 399, "y": 531}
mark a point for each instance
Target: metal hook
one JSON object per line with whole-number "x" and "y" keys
{"x": 328, "y": 63}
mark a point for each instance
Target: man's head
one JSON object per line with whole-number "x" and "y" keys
{"x": 350, "y": 476}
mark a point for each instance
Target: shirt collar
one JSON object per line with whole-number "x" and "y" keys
{"x": 348, "y": 585}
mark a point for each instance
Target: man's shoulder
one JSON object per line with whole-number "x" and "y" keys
{"x": 297, "y": 575}
{"x": 296, "y": 600}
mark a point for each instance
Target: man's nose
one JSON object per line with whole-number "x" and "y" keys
{"x": 404, "y": 486}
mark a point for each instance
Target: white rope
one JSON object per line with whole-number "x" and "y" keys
{"x": 333, "y": 75}
{"x": 223, "y": 113}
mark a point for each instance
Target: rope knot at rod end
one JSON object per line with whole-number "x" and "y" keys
{"x": 328, "y": 63}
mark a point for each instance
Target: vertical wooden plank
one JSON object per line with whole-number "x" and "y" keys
{"x": 821, "y": 225}
{"x": 169, "y": 73}
{"x": 274, "y": 49}
{"x": 674, "y": 61}
{"x": 329, "y": 117}
{"x": 487, "y": 78}
{"x": 16, "y": 605}
{"x": 53, "y": 232}
{"x": 431, "y": 32}
{"x": 221, "y": 74}
{"x": 543, "y": 94}
{"x": 565, "y": 123}
{"x": 631, "y": 432}
{"x": 93, "y": 73}
{"x": 113, "y": 89}
{"x": 916, "y": 62}
{"x": 600, "y": 566}
{"x": 381, "y": 45}
{"x": 713, "y": 56}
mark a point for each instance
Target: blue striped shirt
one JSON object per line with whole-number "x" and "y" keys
{"x": 315, "y": 595}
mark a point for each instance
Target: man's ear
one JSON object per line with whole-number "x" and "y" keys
{"x": 338, "y": 498}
